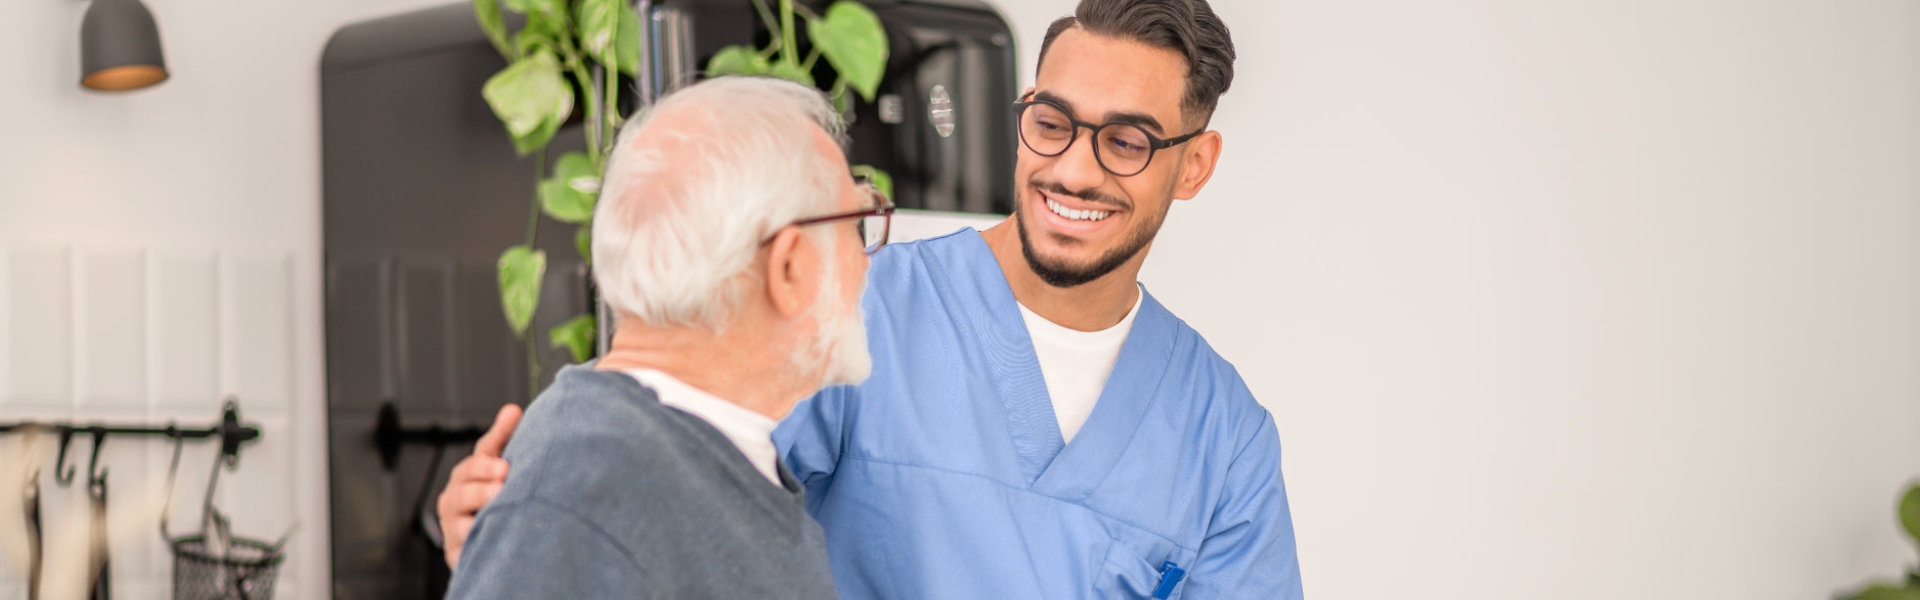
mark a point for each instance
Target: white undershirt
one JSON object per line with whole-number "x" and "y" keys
{"x": 749, "y": 431}
{"x": 1075, "y": 364}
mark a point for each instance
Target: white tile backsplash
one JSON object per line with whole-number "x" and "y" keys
{"x": 6, "y": 344}
{"x": 258, "y": 326}
{"x": 184, "y": 309}
{"x": 150, "y": 336}
{"x": 111, "y": 328}
{"x": 39, "y": 334}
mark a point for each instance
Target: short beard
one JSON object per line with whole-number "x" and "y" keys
{"x": 1061, "y": 275}
{"x": 838, "y": 348}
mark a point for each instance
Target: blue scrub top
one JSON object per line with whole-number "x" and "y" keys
{"x": 944, "y": 475}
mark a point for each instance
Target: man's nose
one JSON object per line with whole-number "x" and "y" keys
{"x": 1079, "y": 168}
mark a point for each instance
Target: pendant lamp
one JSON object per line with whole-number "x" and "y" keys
{"x": 120, "y": 47}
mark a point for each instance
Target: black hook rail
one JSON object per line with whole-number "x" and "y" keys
{"x": 389, "y": 434}
{"x": 230, "y": 431}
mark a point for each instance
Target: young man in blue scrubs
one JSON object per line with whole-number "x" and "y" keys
{"x": 1036, "y": 424}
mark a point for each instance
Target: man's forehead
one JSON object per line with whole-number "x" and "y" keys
{"x": 1098, "y": 77}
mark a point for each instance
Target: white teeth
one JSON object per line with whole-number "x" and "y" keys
{"x": 1075, "y": 214}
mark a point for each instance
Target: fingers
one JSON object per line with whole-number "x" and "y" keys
{"x": 495, "y": 440}
{"x": 474, "y": 482}
{"x": 455, "y": 532}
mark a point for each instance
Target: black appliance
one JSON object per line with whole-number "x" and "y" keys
{"x": 942, "y": 123}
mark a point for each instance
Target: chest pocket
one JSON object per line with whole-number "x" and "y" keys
{"x": 1131, "y": 572}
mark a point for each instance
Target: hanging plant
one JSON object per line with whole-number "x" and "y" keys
{"x": 848, "y": 35}
{"x": 571, "y": 54}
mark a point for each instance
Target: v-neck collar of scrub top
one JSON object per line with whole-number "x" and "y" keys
{"x": 1052, "y": 466}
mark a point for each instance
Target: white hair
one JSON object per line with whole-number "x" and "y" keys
{"x": 685, "y": 206}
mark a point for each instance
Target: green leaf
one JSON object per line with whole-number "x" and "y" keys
{"x": 791, "y": 72}
{"x": 563, "y": 204}
{"x": 578, "y": 171}
{"x": 532, "y": 98}
{"x": 583, "y": 242}
{"x": 737, "y": 60}
{"x": 491, "y": 21}
{"x": 530, "y": 6}
{"x": 626, "y": 42}
{"x": 880, "y": 179}
{"x": 568, "y": 196}
{"x": 576, "y": 335}
{"x": 596, "y": 22}
{"x": 521, "y": 268}
{"x": 1910, "y": 512}
{"x": 1881, "y": 591}
{"x": 854, "y": 43}
{"x": 538, "y": 34}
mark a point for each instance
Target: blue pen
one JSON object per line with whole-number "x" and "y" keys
{"x": 1170, "y": 576}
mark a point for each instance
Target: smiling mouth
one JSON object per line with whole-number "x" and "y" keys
{"x": 1073, "y": 214}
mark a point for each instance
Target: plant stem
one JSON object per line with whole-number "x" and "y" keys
{"x": 533, "y": 369}
{"x": 788, "y": 49}
{"x": 539, "y": 175}
{"x": 766, "y": 16}
{"x": 585, "y": 85}
{"x": 533, "y": 233}
{"x": 609, "y": 111}
{"x": 812, "y": 56}
{"x": 806, "y": 13}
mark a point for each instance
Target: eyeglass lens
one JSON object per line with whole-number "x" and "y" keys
{"x": 1121, "y": 148}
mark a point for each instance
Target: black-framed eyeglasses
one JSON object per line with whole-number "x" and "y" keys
{"x": 874, "y": 224}
{"x": 1123, "y": 149}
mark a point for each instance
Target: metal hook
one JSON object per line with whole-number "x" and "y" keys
{"x": 94, "y": 474}
{"x": 62, "y": 473}
{"x": 173, "y": 472}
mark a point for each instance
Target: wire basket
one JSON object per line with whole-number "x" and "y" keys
{"x": 246, "y": 571}
{"x": 213, "y": 564}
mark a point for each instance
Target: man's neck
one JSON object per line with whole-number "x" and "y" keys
{"x": 738, "y": 371}
{"x": 1091, "y": 306}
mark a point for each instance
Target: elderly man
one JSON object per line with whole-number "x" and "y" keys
{"x": 729, "y": 241}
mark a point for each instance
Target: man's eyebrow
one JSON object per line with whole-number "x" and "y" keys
{"x": 1138, "y": 119}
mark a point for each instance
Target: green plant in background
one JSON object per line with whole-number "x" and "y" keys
{"x": 1909, "y": 589}
{"x": 848, "y": 35}
{"x": 571, "y": 54}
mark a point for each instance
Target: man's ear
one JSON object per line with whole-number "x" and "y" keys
{"x": 1202, "y": 154}
{"x": 792, "y": 272}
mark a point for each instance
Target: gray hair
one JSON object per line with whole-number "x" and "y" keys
{"x": 684, "y": 208}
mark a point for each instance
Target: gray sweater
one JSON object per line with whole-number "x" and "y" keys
{"x": 614, "y": 495}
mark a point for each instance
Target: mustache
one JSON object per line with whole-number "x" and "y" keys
{"x": 1092, "y": 196}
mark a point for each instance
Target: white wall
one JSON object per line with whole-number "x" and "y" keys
{"x": 1551, "y": 299}
{"x": 160, "y": 249}
{"x": 1570, "y": 299}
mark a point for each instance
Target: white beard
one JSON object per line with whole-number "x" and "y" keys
{"x": 843, "y": 340}
{"x": 838, "y": 349}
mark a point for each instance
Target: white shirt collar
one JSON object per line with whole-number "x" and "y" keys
{"x": 749, "y": 431}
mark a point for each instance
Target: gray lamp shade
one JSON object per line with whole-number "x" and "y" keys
{"x": 120, "y": 47}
